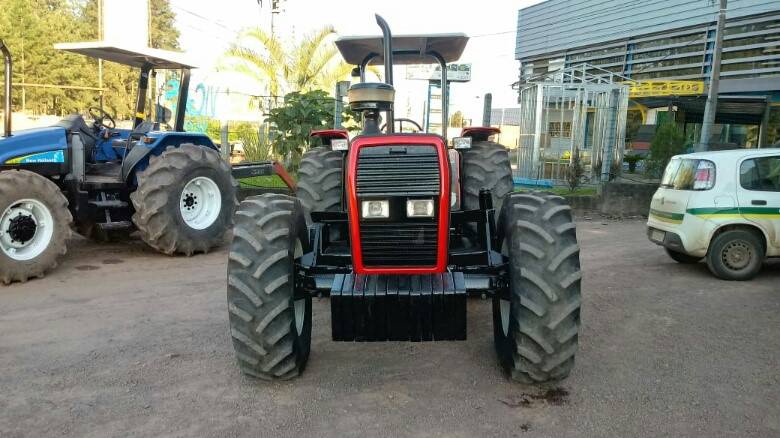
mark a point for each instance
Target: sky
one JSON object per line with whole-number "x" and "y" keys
{"x": 208, "y": 27}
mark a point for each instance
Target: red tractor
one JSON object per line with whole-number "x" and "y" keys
{"x": 398, "y": 229}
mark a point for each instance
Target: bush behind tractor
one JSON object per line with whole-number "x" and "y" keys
{"x": 398, "y": 229}
{"x": 170, "y": 185}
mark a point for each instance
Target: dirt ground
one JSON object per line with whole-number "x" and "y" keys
{"x": 120, "y": 341}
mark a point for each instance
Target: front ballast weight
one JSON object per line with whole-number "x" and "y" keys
{"x": 430, "y": 307}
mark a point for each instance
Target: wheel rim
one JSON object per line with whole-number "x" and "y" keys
{"x": 737, "y": 255}
{"x": 299, "y": 305}
{"x": 200, "y": 202}
{"x": 504, "y": 307}
{"x": 26, "y": 229}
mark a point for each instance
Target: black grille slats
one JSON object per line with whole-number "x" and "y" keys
{"x": 411, "y": 174}
{"x": 398, "y": 244}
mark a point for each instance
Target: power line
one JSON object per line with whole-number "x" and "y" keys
{"x": 206, "y": 19}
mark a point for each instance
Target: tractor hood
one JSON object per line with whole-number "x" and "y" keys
{"x": 42, "y": 143}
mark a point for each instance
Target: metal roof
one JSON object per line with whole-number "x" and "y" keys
{"x": 134, "y": 57}
{"x": 407, "y": 49}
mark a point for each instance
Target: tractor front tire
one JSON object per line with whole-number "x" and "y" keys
{"x": 536, "y": 325}
{"x": 35, "y": 225}
{"x": 486, "y": 166}
{"x": 270, "y": 321}
{"x": 319, "y": 180}
{"x": 185, "y": 200}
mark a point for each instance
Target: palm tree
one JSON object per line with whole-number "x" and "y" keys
{"x": 309, "y": 64}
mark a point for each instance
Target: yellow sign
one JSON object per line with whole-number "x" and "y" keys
{"x": 666, "y": 88}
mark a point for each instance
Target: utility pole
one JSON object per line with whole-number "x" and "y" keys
{"x": 24, "y": 93}
{"x": 712, "y": 95}
{"x": 100, "y": 61}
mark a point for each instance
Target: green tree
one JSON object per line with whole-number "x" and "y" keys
{"x": 306, "y": 65}
{"x": 163, "y": 33}
{"x": 293, "y": 122}
{"x": 669, "y": 141}
{"x": 456, "y": 120}
{"x": 34, "y": 26}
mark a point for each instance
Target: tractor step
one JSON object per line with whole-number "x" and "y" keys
{"x": 113, "y": 203}
{"x": 430, "y": 307}
{"x": 118, "y": 225}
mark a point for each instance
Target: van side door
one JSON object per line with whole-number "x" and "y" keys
{"x": 758, "y": 194}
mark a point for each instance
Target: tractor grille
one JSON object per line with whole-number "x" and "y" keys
{"x": 397, "y": 173}
{"x": 398, "y": 244}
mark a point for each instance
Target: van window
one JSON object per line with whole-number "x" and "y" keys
{"x": 689, "y": 174}
{"x": 761, "y": 174}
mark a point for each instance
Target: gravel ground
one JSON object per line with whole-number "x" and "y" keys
{"x": 120, "y": 341}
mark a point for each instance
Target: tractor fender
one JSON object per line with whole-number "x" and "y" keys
{"x": 479, "y": 133}
{"x": 138, "y": 157}
{"x": 329, "y": 134}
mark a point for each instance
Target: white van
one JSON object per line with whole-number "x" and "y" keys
{"x": 723, "y": 206}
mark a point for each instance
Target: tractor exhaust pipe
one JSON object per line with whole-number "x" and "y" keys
{"x": 387, "y": 42}
{"x": 7, "y": 96}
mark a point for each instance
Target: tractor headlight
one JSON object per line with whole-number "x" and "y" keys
{"x": 419, "y": 208}
{"x": 376, "y": 209}
{"x": 339, "y": 144}
{"x": 461, "y": 142}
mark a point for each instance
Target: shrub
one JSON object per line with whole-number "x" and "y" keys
{"x": 632, "y": 159}
{"x": 575, "y": 171}
{"x": 669, "y": 141}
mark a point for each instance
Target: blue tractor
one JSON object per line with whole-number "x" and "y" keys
{"x": 105, "y": 182}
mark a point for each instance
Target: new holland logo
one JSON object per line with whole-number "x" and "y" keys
{"x": 57, "y": 156}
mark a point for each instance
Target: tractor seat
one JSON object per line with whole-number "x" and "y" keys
{"x": 74, "y": 123}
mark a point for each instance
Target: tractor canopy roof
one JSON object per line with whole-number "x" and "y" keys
{"x": 135, "y": 57}
{"x": 407, "y": 49}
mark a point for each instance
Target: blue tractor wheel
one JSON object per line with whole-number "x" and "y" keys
{"x": 185, "y": 200}
{"x": 35, "y": 225}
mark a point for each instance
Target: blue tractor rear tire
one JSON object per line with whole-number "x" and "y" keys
{"x": 174, "y": 215}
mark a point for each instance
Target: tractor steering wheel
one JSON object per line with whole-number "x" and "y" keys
{"x": 99, "y": 115}
{"x": 401, "y": 122}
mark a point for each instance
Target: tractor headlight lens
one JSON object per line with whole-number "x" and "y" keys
{"x": 419, "y": 208}
{"x": 376, "y": 209}
{"x": 461, "y": 142}
{"x": 339, "y": 144}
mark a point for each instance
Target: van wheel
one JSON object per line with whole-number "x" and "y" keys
{"x": 683, "y": 258}
{"x": 736, "y": 255}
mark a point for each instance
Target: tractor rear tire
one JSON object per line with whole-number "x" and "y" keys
{"x": 269, "y": 322}
{"x": 319, "y": 180}
{"x": 486, "y": 166}
{"x": 536, "y": 326}
{"x": 32, "y": 258}
{"x": 170, "y": 189}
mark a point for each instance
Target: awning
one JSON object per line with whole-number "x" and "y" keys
{"x": 407, "y": 49}
{"x": 135, "y": 57}
{"x": 748, "y": 110}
